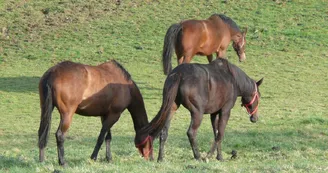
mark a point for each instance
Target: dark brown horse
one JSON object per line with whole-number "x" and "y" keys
{"x": 205, "y": 89}
{"x": 105, "y": 90}
{"x": 202, "y": 37}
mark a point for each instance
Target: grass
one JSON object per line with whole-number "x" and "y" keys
{"x": 286, "y": 44}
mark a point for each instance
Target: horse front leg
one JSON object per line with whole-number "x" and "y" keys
{"x": 100, "y": 140}
{"x": 196, "y": 119}
{"x": 107, "y": 122}
{"x": 221, "y": 53}
{"x": 107, "y": 140}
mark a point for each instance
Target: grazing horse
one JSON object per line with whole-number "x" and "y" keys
{"x": 205, "y": 89}
{"x": 202, "y": 37}
{"x": 105, "y": 90}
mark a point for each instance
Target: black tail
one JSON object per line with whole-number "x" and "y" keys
{"x": 169, "y": 44}
{"x": 46, "y": 111}
{"x": 169, "y": 95}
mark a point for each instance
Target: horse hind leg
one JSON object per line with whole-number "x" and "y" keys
{"x": 210, "y": 58}
{"x": 164, "y": 134}
{"x": 65, "y": 122}
{"x": 221, "y": 125}
{"x": 188, "y": 57}
{"x": 180, "y": 57}
{"x": 196, "y": 119}
{"x": 214, "y": 120}
{"x": 185, "y": 57}
{"x": 162, "y": 139}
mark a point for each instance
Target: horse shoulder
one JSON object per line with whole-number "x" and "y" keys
{"x": 91, "y": 82}
{"x": 218, "y": 34}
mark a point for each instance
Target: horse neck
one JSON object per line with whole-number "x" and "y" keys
{"x": 245, "y": 85}
{"x": 234, "y": 33}
{"x": 137, "y": 109}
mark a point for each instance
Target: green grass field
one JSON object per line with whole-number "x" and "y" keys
{"x": 286, "y": 44}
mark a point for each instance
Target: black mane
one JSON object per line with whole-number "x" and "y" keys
{"x": 228, "y": 21}
{"x": 241, "y": 78}
{"x": 125, "y": 72}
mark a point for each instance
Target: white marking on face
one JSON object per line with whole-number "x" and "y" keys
{"x": 243, "y": 42}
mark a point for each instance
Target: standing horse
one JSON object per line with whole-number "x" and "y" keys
{"x": 204, "y": 89}
{"x": 202, "y": 37}
{"x": 105, "y": 90}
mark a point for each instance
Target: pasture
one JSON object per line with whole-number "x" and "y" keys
{"x": 287, "y": 44}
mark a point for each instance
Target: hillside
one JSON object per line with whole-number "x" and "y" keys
{"x": 286, "y": 44}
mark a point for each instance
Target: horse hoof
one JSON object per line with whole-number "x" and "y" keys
{"x": 205, "y": 159}
{"x": 151, "y": 159}
{"x": 63, "y": 165}
{"x": 219, "y": 158}
{"x": 199, "y": 159}
{"x": 109, "y": 160}
{"x": 93, "y": 158}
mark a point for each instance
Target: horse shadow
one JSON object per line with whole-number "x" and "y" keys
{"x": 21, "y": 84}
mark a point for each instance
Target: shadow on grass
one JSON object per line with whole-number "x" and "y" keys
{"x": 9, "y": 162}
{"x": 260, "y": 141}
{"x": 19, "y": 84}
{"x": 149, "y": 92}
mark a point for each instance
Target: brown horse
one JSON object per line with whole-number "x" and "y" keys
{"x": 204, "y": 89}
{"x": 105, "y": 90}
{"x": 202, "y": 37}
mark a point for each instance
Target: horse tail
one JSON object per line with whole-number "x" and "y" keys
{"x": 169, "y": 44}
{"x": 46, "y": 104}
{"x": 169, "y": 95}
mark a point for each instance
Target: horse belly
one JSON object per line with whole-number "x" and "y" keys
{"x": 88, "y": 108}
{"x": 219, "y": 95}
{"x": 209, "y": 47}
{"x": 105, "y": 102}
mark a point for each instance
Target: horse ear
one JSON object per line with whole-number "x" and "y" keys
{"x": 245, "y": 31}
{"x": 258, "y": 83}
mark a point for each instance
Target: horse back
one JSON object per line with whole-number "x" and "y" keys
{"x": 193, "y": 32}
{"x": 204, "y": 37}
{"x": 205, "y": 86}
{"x": 108, "y": 88}
{"x": 89, "y": 88}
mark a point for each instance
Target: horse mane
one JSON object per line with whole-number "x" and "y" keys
{"x": 242, "y": 80}
{"x": 228, "y": 21}
{"x": 124, "y": 71}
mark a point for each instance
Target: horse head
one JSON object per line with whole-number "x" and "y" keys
{"x": 145, "y": 147}
{"x": 239, "y": 45}
{"x": 251, "y": 103}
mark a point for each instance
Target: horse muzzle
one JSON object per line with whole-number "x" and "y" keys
{"x": 242, "y": 57}
{"x": 253, "y": 118}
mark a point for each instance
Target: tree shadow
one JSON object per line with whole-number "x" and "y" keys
{"x": 19, "y": 84}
